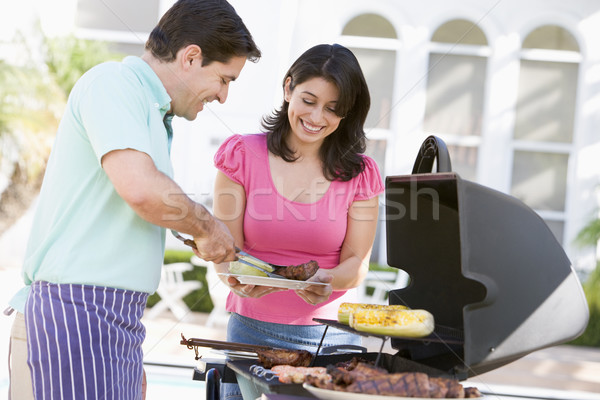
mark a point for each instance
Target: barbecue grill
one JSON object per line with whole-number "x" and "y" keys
{"x": 488, "y": 268}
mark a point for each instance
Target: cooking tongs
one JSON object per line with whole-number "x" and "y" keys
{"x": 243, "y": 257}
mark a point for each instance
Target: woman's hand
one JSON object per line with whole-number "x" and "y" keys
{"x": 250, "y": 290}
{"x": 315, "y": 294}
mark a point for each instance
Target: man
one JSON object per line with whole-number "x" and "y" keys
{"x": 98, "y": 237}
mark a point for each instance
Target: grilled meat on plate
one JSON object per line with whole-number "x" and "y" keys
{"x": 299, "y": 272}
{"x": 296, "y": 358}
{"x": 363, "y": 377}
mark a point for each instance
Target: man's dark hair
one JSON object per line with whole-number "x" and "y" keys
{"x": 213, "y": 25}
{"x": 340, "y": 151}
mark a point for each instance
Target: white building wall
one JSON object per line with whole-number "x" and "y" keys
{"x": 301, "y": 24}
{"x": 284, "y": 29}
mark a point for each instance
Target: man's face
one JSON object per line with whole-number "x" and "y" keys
{"x": 202, "y": 84}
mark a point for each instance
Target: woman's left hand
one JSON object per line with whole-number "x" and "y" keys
{"x": 315, "y": 294}
{"x": 250, "y": 290}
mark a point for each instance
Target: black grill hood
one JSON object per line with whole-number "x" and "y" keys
{"x": 481, "y": 262}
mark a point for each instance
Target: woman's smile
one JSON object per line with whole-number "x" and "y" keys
{"x": 310, "y": 127}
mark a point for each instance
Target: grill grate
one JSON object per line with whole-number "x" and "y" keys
{"x": 441, "y": 334}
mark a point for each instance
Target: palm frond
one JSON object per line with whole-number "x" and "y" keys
{"x": 589, "y": 235}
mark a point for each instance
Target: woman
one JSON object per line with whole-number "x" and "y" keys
{"x": 302, "y": 191}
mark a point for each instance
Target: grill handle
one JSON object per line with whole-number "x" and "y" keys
{"x": 433, "y": 148}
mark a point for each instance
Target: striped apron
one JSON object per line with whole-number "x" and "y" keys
{"x": 85, "y": 342}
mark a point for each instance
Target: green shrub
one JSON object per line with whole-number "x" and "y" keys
{"x": 198, "y": 300}
{"x": 589, "y": 237}
{"x": 591, "y": 336}
{"x": 380, "y": 267}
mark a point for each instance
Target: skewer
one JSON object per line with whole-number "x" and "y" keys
{"x": 219, "y": 345}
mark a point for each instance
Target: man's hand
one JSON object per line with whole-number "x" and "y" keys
{"x": 217, "y": 246}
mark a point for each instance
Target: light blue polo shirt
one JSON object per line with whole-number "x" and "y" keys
{"x": 83, "y": 232}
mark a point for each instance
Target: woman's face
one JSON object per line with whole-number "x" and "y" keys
{"x": 311, "y": 110}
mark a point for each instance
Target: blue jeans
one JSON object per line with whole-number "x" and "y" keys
{"x": 299, "y": 337}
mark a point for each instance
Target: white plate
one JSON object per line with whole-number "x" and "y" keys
{"x": 325, "y": 394}
{"x": 272, "y": 282}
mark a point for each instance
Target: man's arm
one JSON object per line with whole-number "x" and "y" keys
{"x": 159, "y": 200}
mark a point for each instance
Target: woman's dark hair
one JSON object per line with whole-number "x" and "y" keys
{"x": 341, "y": 150}
{"x": 213, "y": 25}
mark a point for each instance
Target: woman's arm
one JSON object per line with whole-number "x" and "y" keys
{"x": 229, "y": 206}
{"x": 354, "y": 257}
{"x": 358, "y": 244}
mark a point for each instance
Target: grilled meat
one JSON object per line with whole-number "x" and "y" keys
{"x": 296, "y": 358}
{"x": 407, "y": 384}
{"x": 360, "y": 377}
{"x": 323, "y": 382}
{"x": 299, "y": 272}
{"x": 360, "y": 371}
{"x": 289, "y": 374}
{"x": 441, "y": 388}
{"x": 472, "y": 393}
{"x": 351, "y": 363}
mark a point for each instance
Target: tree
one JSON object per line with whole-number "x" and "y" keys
{"x": 31, "y": 102}
{"x": 589, "y": 236}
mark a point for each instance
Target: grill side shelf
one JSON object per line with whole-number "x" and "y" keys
{"x": 441, "y": 334}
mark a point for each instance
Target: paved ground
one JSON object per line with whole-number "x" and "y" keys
{"x": 562, "y": 368}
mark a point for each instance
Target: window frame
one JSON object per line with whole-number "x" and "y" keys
{"x": 471, "y": 50}
{"x": 568, "y": 149}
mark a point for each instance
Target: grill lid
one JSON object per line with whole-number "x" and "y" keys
{"x": 480, "y": 261}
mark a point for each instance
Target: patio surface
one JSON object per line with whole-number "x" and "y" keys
{"x": 560, "y": 368}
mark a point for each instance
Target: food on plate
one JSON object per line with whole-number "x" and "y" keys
{"x": 363, "y": 377}
{"x": 409, "y": 384}
{"x": 295, "y": 272}
{"x": 290, "y": 374}
{"x": 472, "y": 393}
{"x": 346, "y": 374}
{"x": 407, "y": 323}
{"x": 295, "y": 358}
{"x": 298, "y": 272}
{"x": 239, "y": 268}
{"x": 346, "y": 309}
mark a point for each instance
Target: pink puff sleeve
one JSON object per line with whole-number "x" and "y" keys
{"x": 369, "y": 183}
{"x": 230, "y": 158}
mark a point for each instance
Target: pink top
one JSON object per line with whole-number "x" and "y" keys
{"x": 284, "y": 232}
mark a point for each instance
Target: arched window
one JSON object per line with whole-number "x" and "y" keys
{"x": 377, "y": 58}
{"x": 370, "y": 25}
{"x": 374, "y": 42}
{"x": 544, "y": 124}
{"x": 456, "y": 90}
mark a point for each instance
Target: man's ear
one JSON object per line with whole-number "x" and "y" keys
{"x": 191, "y": 54}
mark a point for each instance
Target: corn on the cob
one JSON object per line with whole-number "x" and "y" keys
{"x": 346, "y": 309}
{"x": 236, "y": 267}
{"x": 407, "y": 323}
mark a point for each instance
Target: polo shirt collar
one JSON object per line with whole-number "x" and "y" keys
{"x": 149, "y": 78}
